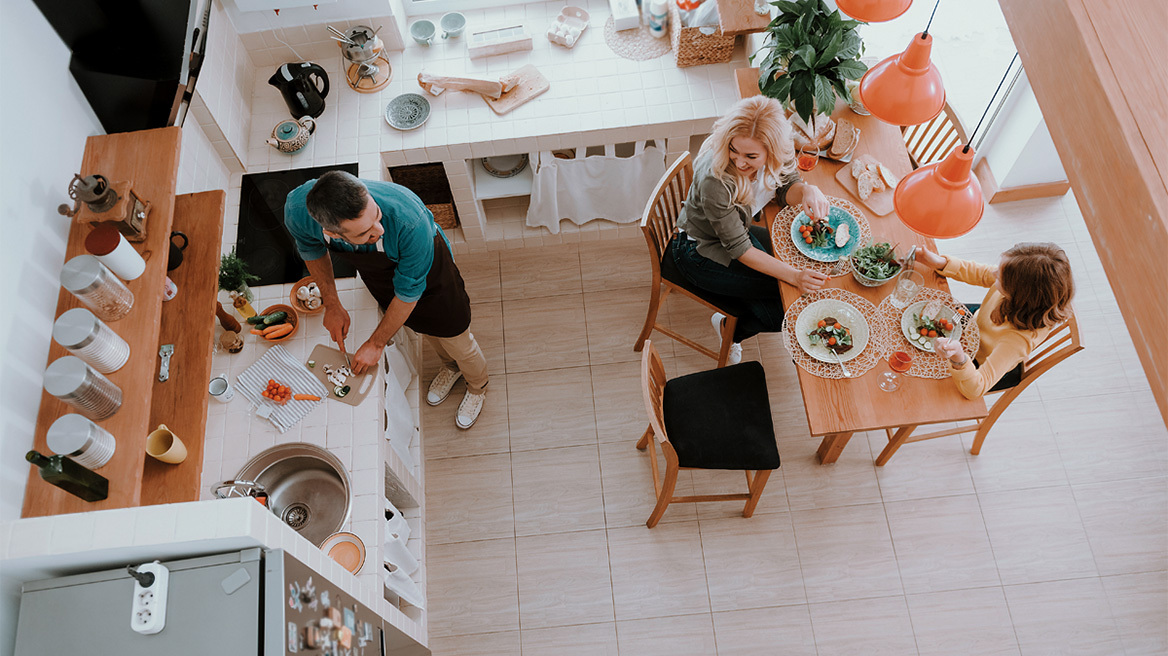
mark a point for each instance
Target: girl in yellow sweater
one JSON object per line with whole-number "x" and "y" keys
{"x": 1029, "y": 294}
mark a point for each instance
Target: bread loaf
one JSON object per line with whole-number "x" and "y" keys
{"x": 825, "y": 130}
{"x": 888, "y": 176}
{"x": 866, "y": 183}
{"x": 846, "y": 139}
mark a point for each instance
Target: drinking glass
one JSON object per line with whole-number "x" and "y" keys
{"x": 898, "y": 361}
{"x": 808, "y": 157}
{"x": 908, "y": 283}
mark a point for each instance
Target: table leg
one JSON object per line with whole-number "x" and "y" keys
{"x": 832, "y": 446}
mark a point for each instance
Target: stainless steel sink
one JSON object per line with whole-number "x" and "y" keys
{"x": 307, "y": 487}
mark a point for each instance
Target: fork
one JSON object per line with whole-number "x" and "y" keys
{"x": 847, "y": 374}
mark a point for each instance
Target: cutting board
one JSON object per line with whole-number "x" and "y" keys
{"x": 359, "y": 385}
{"x": 880, "y": 202}
{"x": 529, "y": 84}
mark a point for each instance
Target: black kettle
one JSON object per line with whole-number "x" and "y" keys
{"x": 304, "y": 86}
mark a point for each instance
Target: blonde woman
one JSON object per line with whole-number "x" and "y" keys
{"x": 746, "y": 161}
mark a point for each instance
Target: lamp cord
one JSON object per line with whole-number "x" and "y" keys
{"x": 991, "y": 103}
{"x": 930, "y": 24}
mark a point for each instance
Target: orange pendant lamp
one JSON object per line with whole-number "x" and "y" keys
{"x": 905, "y": 89}
{"x": 941, "y": 200}
{"x": 873, "y": 11}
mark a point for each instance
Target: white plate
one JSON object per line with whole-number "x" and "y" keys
{"x": 846, "y": 313}
{"x": 907, "y": 326}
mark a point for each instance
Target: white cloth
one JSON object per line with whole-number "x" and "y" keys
{"x": 597, "y": 187}
{"x": 763, "y": 194}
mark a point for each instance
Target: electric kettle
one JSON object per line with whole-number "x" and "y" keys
{"x": 304, "y": 86}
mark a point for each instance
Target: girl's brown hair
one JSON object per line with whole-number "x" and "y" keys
{"x": 1036, "y": 281}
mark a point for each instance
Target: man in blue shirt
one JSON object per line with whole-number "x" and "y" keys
{"x": 388, "y": 235}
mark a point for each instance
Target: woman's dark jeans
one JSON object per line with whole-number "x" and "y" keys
{"x": 758, "y": 291}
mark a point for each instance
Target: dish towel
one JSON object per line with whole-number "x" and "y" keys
{"x": 279, "y": 365}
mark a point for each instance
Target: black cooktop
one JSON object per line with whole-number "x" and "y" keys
{"x": 262, "y": 240}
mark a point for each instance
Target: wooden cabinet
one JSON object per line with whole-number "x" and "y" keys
{"x": 149, "y": 160}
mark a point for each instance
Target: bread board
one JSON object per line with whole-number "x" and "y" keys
{"x": 880, "y": 202}
{"x": 359, "y": 384}
{"x": 525, "y": 84}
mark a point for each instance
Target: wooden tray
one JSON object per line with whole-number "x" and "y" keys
{"x": 360, "y": 384}
{"x": 880, "y": 202}
{"x": 529, "y": 84}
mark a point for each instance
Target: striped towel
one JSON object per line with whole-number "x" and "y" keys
{"x": 279, "y": 365}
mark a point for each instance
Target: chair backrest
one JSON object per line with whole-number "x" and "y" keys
{"x": 1060, "y": 344}
{"x": 659, "y": 222}
{"x": 934, "y": 140}
{"x": 653, "y": 387}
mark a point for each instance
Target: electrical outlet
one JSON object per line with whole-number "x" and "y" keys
{"x": 148, "y": 610}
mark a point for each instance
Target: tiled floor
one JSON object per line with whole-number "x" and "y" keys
{"x": 1053, "y": 541}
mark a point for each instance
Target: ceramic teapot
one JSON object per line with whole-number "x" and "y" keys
{"x": 290, "y": 136}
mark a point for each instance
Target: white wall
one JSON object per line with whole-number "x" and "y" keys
{"x": 1017, "y": 145}
{"x": 44, "y": 121}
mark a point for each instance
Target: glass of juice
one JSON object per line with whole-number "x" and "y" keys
{"x": 898, "y": 361}
{"x": 807, "y": 157}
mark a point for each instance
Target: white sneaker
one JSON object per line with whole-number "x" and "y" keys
{"x": 469, "y": 409}
{"x": 440, "y": 386}
{"x": 735, "y": 354}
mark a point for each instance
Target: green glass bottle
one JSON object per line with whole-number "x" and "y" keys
{"x": 70, "y": 476}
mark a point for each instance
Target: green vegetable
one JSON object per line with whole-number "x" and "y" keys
{"x": 312, "y": 364}
{"x": 256, "y": 320}
{"x": 339, "y": 391}
{"x": 274, "y": 318}
{"x": 876, "y": 261}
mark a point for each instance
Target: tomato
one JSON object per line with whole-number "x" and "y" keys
{"x": 837, "y": 326}
{"x": 924, "y": 332}
{"x": 932, "y": 333}
{"x": 808, "y": 240}
{"x": 960, "y": 310}
{"x": 831, "y": 341}
{"x": 822, "y": 323}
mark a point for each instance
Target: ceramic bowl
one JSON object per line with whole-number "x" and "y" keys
{"x": 407, "y": 112}
{"x": 293, "y": 318}
{"x": 297, "y": 303}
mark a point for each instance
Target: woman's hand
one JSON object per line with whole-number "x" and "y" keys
{"x": 931, "y": 259}
{"x": 815, "y": 202}
{"x": 950, "y": 348}
{"x": 810, "y": 280}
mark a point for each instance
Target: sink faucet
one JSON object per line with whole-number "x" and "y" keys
{"x": 238, "y": 488}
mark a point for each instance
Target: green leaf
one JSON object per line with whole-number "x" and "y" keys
{"x": 807, "y": 54}
{"x": 786, "y": 7}
{"x": 841, "y": 89}
{"x": 851, "y": 46}
{"x": 824, "y": 96}
{"x": 851, "y": 69}
{"x": 829, "y": 51}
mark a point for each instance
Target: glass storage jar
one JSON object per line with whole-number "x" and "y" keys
{"x": 68, "y": 378}
{"x": 88, "y": 338}
{"x": 88, "y": 444}
{"x": 97, "y": 287}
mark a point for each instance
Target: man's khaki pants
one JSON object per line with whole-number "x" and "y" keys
{"x": 462, "y": 353}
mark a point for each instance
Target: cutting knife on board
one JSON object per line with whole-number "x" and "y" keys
{"x": 345, "y": 353}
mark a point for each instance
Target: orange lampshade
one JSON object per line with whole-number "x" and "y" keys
{"x": 941, "y": 200}
{"x": 873, "y": 11}
{"x": 905, "y": 89}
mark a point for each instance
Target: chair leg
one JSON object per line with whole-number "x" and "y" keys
{"x": 655, "y": 300}
{"x": 894, "y": 443}
{"x": 644, "y": 441}
{"x": 760, "y": 481}
{"x": 727, "y": 339}
{"x": 664, "y": 496}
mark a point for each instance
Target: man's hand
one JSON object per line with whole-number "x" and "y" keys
{"x": 336, "y": 322}
{"x": 810, "y": 280}
{"x": 366, "y": 356}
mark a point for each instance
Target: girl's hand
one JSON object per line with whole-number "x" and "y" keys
{"x": 949, "y": 348}
{"x": 809, "y": 280}
{"x": 930, "y": 259}
{"x": 814, "y": 202}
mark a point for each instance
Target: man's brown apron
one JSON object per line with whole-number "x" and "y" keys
{"x": 444, "y": 308}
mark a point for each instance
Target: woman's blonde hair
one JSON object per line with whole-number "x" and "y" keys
{"x": 760, "y": 118}
{"x": 1037, "y": 284}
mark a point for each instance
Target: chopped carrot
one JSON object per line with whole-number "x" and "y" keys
{"x": 306, "y": 397}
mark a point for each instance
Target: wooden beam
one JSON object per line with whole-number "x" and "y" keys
{"x": 1100, "y": 77}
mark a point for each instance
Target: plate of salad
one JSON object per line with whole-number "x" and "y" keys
{"x": 827, "y": 239}
{"x": 832, "y": 324}
{"x": 925, "y": 321}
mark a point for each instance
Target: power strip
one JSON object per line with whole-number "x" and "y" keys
{"x": 148, "y": 610}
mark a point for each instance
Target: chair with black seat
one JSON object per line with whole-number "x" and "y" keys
{"x": 716, "y": 419}
{"x": 659, "y": 225}
{"x": 1062, "y": 342}
{"x": 932, "y": 141}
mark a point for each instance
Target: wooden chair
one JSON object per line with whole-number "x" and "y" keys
{"x": 659, "y": 225}
{"x": 1062, "y": 343}
{"x": 933, "y": 141}
{"x": 716, "y": 419}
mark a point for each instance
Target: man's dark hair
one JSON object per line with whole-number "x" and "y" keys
{"x": 336, "y": 197}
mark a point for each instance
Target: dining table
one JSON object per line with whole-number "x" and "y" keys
{"x": 837, "y": 408}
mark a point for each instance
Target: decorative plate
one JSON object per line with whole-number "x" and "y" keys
{"x": 408, "y": 111}
{"x": 504, "y": 166}
{"x": 909, "y": 330}
{"x": 345, "y": 548}
{"x": 828, "y": 253}
{"x": 848, "y": 316}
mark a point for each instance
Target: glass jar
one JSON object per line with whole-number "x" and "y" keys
{"x": 97, "y": 287}
{"x": 88, "y": 444}
{"x": 68, "y": 378}
{"x": 88, "y": 338}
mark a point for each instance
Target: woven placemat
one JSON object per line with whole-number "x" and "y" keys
{"x": 924, "y": 364}
{"x": 636, "y": 44}
{"x": 786, "y": 251}
{"x": 872, "y": 354}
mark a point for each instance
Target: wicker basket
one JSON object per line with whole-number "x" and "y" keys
{"x": 444, "y": 215}
{"x": 692, "y": 48}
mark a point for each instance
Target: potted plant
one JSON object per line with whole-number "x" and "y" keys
{"x": 813, "y": 53}
{"x": 234, "y": 276}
